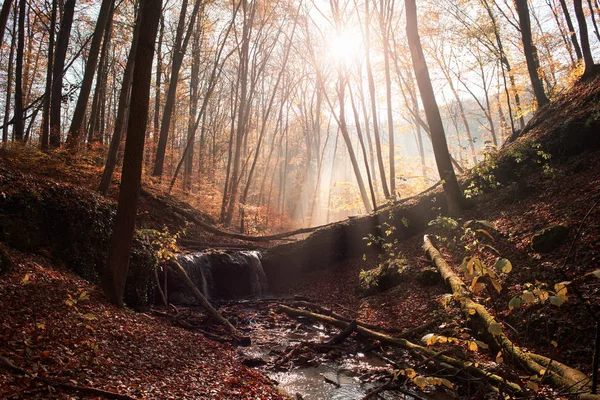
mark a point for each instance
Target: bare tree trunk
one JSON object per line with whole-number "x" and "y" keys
{"x": 4, "y": 14}
{"x": 572, "y": 33}
{"x": 531, "y": 54}
{"x": 179, "y": 51}
{"x": 9, "y": 79}
{"x": 158, "y": 89}
{"x": 454, "y": 196}
{"x": 100, "y": 81}
{"x": 47, "y": 97}
{"x": 117, "y": 265}
{"x": 115, "y": 142}
{"x": 88, "y": 78}
{"x": 588, "y": 59}
{"x": 371, "y": 81}
{"x": 62, "y": 45}
{"x": 18, "y": 118}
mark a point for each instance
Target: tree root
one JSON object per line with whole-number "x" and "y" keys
{"x": 560, "y": 375}
{"x": 407, "y": 345}
{"x": 5, "y": 362}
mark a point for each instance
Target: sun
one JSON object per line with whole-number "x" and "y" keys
{"x": 345, "y": 46}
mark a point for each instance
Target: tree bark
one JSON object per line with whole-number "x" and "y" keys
{"x": 18, "y": 118}
{"x": 588, "y": 59}
{"x": 572, "y": 33}
{"x": 4, "y": 14}
{"x": 115, "y": 142}
{"x": 9, "y": 80}
{"x": 454, "y": 195}
{"x": 179, "y": 51}
{"x": 47, "y": 100}
{"x": 117, "y": 265}
{"x": 62, "y": 45}
{"x": 531, "y": 54}
{"x": 88, "y": 78}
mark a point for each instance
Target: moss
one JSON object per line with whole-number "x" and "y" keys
{"x": 549, "y": 238}
{"x": 387, "y": 275}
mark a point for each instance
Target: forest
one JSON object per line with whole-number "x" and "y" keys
{"x": 300, "y": 199}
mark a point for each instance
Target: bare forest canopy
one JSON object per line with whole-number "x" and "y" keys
{"x": 280, "y": 114}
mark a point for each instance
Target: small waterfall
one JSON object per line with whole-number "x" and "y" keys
{"x": 225, "y": 275}
{"x": 258, "y": 279}
{"x": 198, "y": 269}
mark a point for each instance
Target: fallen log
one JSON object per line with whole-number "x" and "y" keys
{"x": 344, "y": 334}
{"x": 214, "y": 230}
{"x": 204, "y": 302}
{"x": 558, "y": 374}
{"x": 7, "y": 364}
{"x": 329, "y": 312}
{"x": 405, "y": 344}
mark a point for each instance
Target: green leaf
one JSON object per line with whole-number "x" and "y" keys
{"x": 557, "y": 301}
{"x": 504, "y": 265}
{"x": 495, "y": 329}
{"x": 515, "y": 302}
{"x": 486, "y": 233}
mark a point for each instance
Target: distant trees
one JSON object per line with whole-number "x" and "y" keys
{"x": 261, "y": 119}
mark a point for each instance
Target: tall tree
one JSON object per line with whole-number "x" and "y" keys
{"x": 4, "y": 14}
{"x": 62, "y": 45}
{"x": 588, "y": 59}
{"x": 117, "y": 265}
{"x": 88, "y": 77}
{"x": 454, "y": 195}
{"x": 179, "y": 51}
{"x": 18, "y": 118}
{"x": 115, "y": 142}
{"x": 531, "y": 53}
{"x": 47, "y": 96}
{"x": 9, "y": 78}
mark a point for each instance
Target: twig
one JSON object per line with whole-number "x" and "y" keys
{"x": 83, "y": 389}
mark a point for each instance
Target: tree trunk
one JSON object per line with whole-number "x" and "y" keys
{"x": 454, "y": 196}
{"x": 47, "y": 98}
{"x": 179, "y": 51}
{"x": 588, "y": 59}
{"x": 18, "y": 118}
{"x": 115, "y": 142}
{"x": 531, "y": 54}
{"x": 193, "y": 110}
{"x": 572, "y": 33}
{"x": 4, "y": 14}
{"x": 371, "y": 81}
{"x": 100, "y": 81}
{"x": 62, "y": 45}
{"x": 88, "y": 76}
{"x": 117, "y": 265}
{"x": 9, "y": 78}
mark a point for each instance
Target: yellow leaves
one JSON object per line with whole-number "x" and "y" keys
{"x": 25, "y": 280}
{"x": 528, "y": 297}
{"x": 420, "y": 381}
{"x": 423, "y": 381}
{"x": 472, "y": 346}
{"x": 446, "y": 300}
{"x": 499, "y": 358}
{"x": 40, "y": 326}
{"x": 410, "y": 373}
{"x": 553, "y": 343}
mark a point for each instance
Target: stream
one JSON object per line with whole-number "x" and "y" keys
{"x": 291, "y": 352}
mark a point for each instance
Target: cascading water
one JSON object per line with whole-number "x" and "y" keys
{"x": 223, "y": 275}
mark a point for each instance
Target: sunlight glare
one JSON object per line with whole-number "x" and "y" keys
{"x": 345, "y": 46}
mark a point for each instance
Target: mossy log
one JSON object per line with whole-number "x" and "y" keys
{"x": 407, "y": 345}
{"x": 560, "y": 375}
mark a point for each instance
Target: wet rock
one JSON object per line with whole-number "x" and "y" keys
{"x": 548, "y": 239}
{"x": 388, "y": 274}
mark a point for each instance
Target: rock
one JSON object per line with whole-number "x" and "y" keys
{"x": 388, "y": 274}
{"x": 549, "y": 238}
{"x": 253, "y": 362}
{"x": 429, "y": 277}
